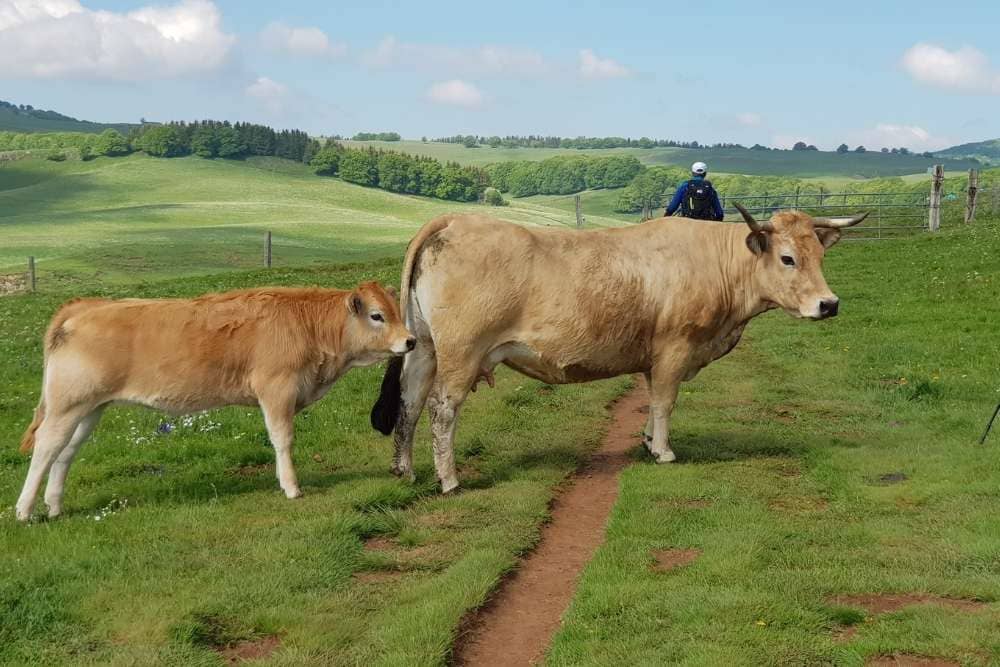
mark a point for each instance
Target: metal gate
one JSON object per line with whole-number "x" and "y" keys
{"x": 892, "y": 214}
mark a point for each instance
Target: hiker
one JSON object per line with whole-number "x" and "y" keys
{"x": 696, "y": 198}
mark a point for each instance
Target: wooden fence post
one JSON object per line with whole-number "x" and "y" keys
{"x": 579, "y": 212}
{"x": 32, "y": 282}
{"x": 934, "y": 221}
{"x": 267, "y": 251}
{"x": 971, "y": 193}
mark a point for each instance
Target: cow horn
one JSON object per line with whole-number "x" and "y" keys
{"x": 754, "y": 225}
{"x": 837, "y": 223}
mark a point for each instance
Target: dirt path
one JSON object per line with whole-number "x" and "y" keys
{"x": 516, "y": 626}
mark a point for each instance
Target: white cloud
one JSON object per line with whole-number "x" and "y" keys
{"x": 496, "y": 61}
{"x": 271, "y": 95}
{"x": 62, "y": 38}
{"x": 592, "y": 67}
{"x": 965, "y": 70}
{"x": 749, "y": 119}
{"x": 455, "y": 93}
{"x": 305, "y": 41}
{"x": 892, "y": 135}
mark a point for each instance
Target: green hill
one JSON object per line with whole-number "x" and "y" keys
{"x": 985, "y": 151}
{"x": 803, "y": 164}
{"x": 124, "y": 219}
{"x": 24, "y": 118}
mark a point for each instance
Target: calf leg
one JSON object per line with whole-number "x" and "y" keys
{"x": 52, "y": 436}
{"x": 419, "y": 367}
{"x": 57, "y": 474}
{"x": 279, "y": 417}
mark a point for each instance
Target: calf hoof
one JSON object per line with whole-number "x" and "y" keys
{"x": 54, "y": 512}
{"x": 22, "y": 515}
{"x": 666, "y": 457}
{"x": 292, "y": 494}
{"x": 449, "y": 486}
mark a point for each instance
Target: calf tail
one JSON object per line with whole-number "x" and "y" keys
{"x": 387, "y": 407}
{"x": 28, "y": 439}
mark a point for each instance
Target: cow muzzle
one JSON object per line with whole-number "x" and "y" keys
{"x": 824, "y": 308}
{"x": 404, "y": 346}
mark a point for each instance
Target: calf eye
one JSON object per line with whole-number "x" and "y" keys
{"x": 378, "y": 317}
{"x": 787, "y": 260}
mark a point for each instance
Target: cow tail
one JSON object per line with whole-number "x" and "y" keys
{"x": 387, "y": 408}
{"x": 28, "y": 439}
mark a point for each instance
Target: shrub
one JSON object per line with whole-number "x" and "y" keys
{"x": 492, "y": 197}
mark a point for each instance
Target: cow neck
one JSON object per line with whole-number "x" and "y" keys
{"x": 745, "y": 300}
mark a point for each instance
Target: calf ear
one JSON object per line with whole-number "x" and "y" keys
{"x": 757, "y": 242}
{"x": 827, "y": 236}
{"x": 355, "y": 303}
{"x": 391, "y": 291}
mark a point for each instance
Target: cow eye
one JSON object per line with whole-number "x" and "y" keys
{"x": 787, "y": 260}
{"x": 378, "y": 317}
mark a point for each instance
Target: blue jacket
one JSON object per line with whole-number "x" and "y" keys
{"x": 675, "y": 203}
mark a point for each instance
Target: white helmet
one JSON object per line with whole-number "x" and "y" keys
{"x": 699, "y": 169}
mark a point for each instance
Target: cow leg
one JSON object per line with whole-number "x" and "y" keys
{"x": 450, "y": 388}
{"x": 419, "y": 367}
{"x": 666, "y": 381}
{"x": 57, "y": 474}
{"x": 51, "y": 438}
{"x": 279, "y": 417}
{"x": 647, "y": 431}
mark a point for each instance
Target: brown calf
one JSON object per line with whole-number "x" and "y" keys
{"x": 279, "y": 348}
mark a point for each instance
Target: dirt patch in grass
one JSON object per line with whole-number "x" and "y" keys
{"x": 891, "y": 478}
{"x": 908, "y": 660}
{"x": 247, "y": 471}
{"x": 256, "y": 649}
{"x": 516, "y": 626}
{"x": 844, "y": 633}
{"x": 886, "y": 603}
{"x": 666, "y": 560}
{"x": 408, "y": 558}
{"x": 377, "y": 576}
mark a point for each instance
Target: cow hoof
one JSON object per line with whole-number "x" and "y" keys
{"x": 449, "y": 487}
{"x": 292, "y": 494}
{"x": 408, "y": 475}
{"x": 666, "y": 457}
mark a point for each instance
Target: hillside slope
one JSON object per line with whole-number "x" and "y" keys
{"x": 804, "y": 164}
{"x": 986, "y": 151}
{"x": 13, "y": 118}
{"x": 139, "y": 218}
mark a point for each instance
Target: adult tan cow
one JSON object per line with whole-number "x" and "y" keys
{"x": 279, "y": 348}
{"x": 663, "y": 298}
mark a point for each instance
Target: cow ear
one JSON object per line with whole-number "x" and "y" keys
{"x": 757, "y": 242}
{"x": 827, "y": 236}
{"x": 355, "y": 303}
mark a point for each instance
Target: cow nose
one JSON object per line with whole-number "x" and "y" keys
{"x": 411, "y": 343}
{"x": 829, "y": 307}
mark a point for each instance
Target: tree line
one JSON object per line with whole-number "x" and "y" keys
{"x": 533, "y": 141}
{"x": 563, "y": 174}
{"x": 401, "y": 172}
{"x": 376, "y": 136}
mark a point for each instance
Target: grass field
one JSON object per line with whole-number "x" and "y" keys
{"x": 175, "y": 544}
{"x": 115, "y": 220}
{"x": 803, "y": 164}
{"x": 817, "y": 460}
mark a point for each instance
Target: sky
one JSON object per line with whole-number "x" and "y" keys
{"x": 917, "y": 74}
